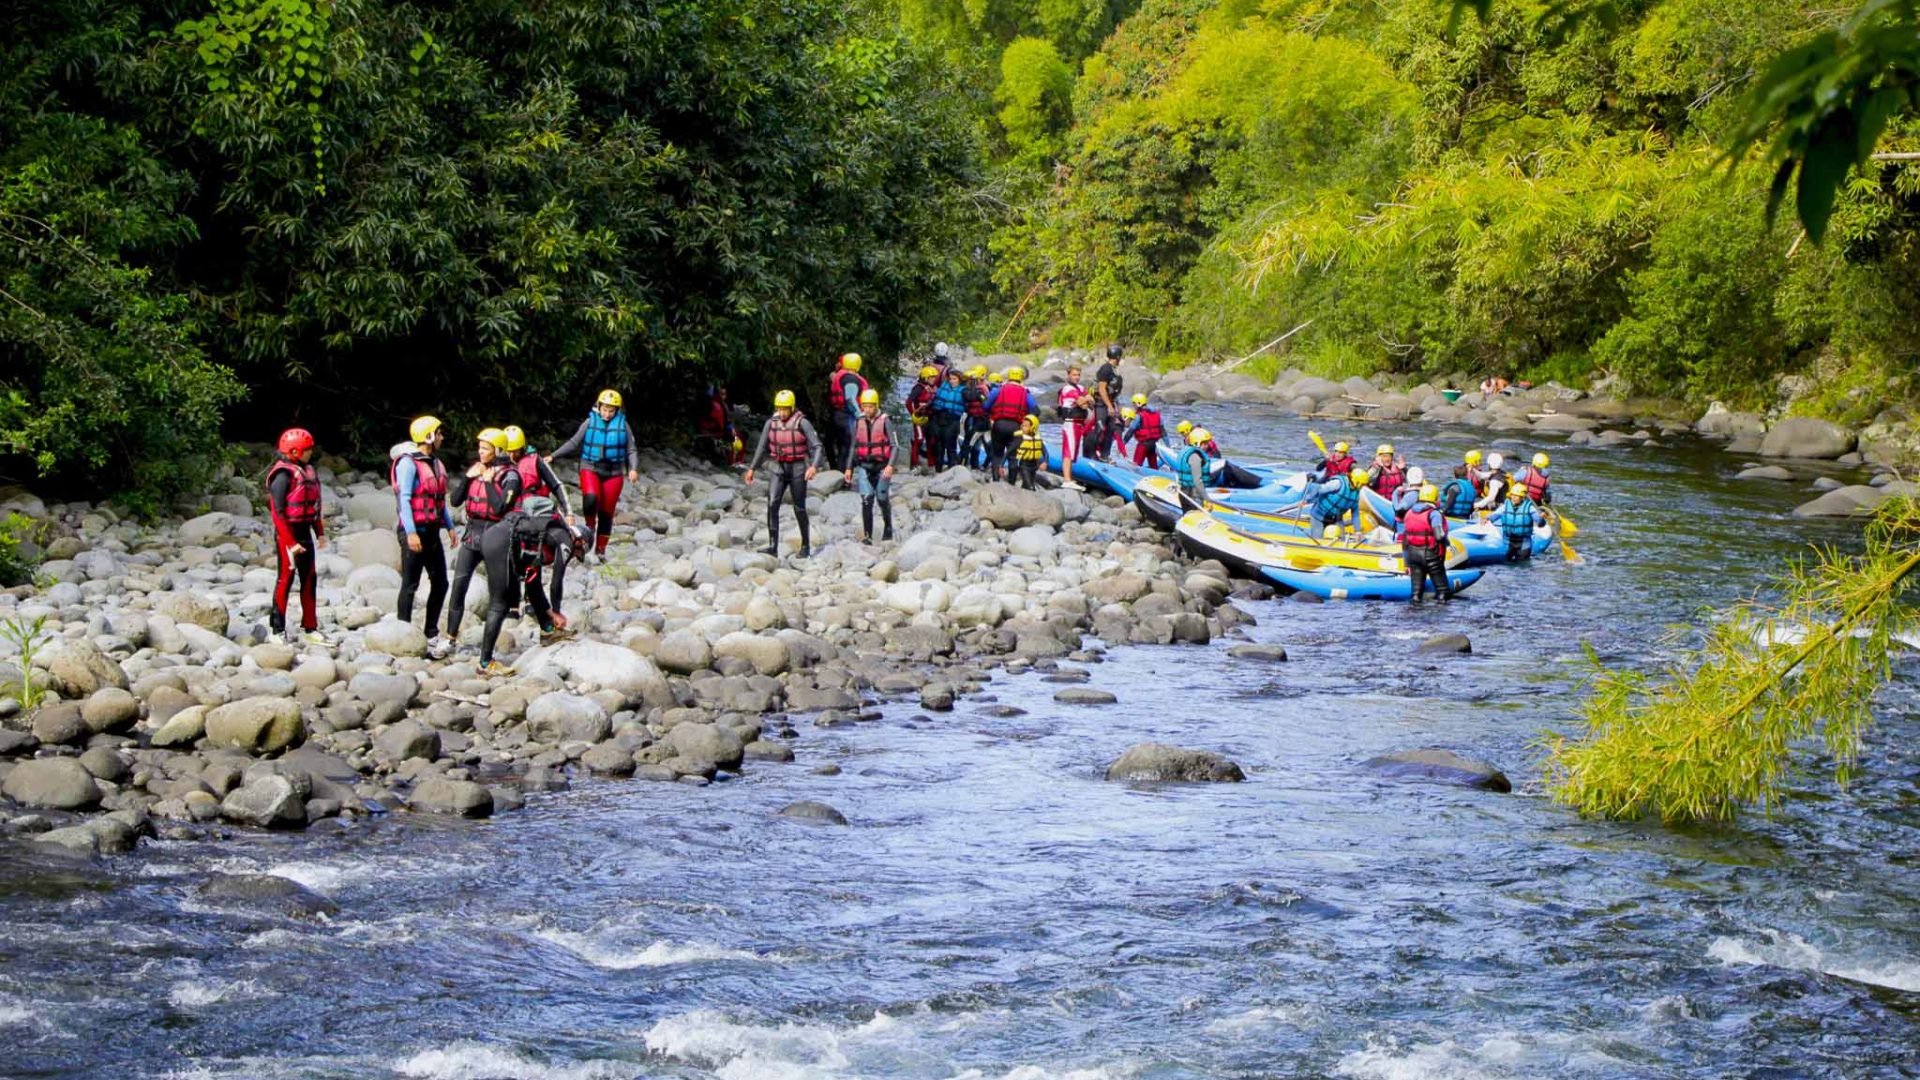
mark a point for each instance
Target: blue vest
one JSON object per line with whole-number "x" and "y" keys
{"x": 1456, "y": 499}
{"x": 606, "y": 440}
{"x": 1192, "y": 463}
{"x": 1516, "y": 519}
{"x": 1331, "y": 506}
{"x": 948, "y": 399}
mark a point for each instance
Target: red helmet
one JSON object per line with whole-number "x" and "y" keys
{"x": 294, "y": 440}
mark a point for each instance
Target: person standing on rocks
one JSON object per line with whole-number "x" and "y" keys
{"x": 844, "y": 388}
{"x": 1106, "y": 396}
{"x": 919, "y": 405}
{"x": 542, "y": 495}
{"x": 789, "y": 439}
{"x": 1129, "y": 427}
{"x": 293, "y": 503}
{"x": 975, "y": 400}
{"x": 420, "y": 490}
{"x": 609, "y": 459}
{"x": 1031, "y": 453}
{"x": 486, "y": 492}
{"x": 870, "y": 460}
{"x": 1006, "y": 408}
{"x": 949, "y": 412}
{"x": 1075, "y": 422}
{"x": 1422, "y": 533}
{"x": 1146, "y": 432}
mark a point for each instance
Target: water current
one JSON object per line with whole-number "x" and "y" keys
{"x": 998, "y": 912}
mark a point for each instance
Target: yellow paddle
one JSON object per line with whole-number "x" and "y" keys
{"x": 1562, "y": 530}
{"x": 1319, "y": 443}
{"x": 1567, "y": 527}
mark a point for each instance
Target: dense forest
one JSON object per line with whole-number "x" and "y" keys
{"x": 221, "y": 216}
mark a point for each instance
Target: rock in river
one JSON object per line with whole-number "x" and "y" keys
{"x": 1441, "y": 766}
{"x": 1150, "y": 762}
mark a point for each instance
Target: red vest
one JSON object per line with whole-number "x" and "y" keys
{"x": 1151, "y": 427}
{"x": 1337, "y": 466}
{"x": 786, "y": 443}
{"x": 429, "y": 488}
{"x": 530, "y": 482}
{"x": 1418, "y": 527}
{"x": 837, "y": 388}
{"x": 1012, "y": 404}
{"x": 1389, "y": 480}
{"x": 303, "y": 492}
{"x": 872, "y": 441}
{"x": 1536, "y": 484}
{"x": 975, "y": 399}
{"x": 483, "y": 491}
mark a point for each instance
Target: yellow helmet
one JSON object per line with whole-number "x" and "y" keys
{"x": 610, "y": 397}
{"x": 516, "y": 439}
{"x": 977, "y": 371}
{"x": 1429, "y": 493}
{"x": 1516, "y": 493}
{"x": 1359, "y": 476}
{"x": 1540, "y": 461}
{"x": 1128, "y": 414}
{"x": 1385, "y": 448}
{"x": 850, "y": 361}
{"x": 1016, "y": 373}
{"x": 996, "y": 378}
{"x": 1473, "y": 457}
{"x": 871, "y": 396}
{"x": 1030, "y": 421}
{"x": 423, "y": 428}
{"x": 1341, "y": 448}
{"x": 783, "y": 400}
{"x": 1199, "y": 436}
{"x": 494, "y": 437}
{"x": 929, "y": 371}
{"x": 1331, "y": 532}
{"x": 1140, "y": 399}
{"x": 1183, "y": 426}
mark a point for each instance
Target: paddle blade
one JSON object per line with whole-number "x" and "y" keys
{"x": 1567, "y": 552}
{"x": 1567, "y": 527}
{"x": 1319, "y": 443}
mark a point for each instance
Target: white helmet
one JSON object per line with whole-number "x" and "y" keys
{"x": 940, "y": 349}
{"x": 1415, "y": 477}
{"x": 1494, "y": 460}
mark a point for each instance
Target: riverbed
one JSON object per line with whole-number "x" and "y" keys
{"x": 997, "y": 911}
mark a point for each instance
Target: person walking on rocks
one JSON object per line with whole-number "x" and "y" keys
{"x": 420, "y": 490}
{"x": 513, "y": 551}
{"x": 870, "y": 461}
{"x": 609, "y": 459}
{"x": 486, "y": 492}
{"x": 293, "y": 503}
{"x": 844, "y": 388}
{"x": 949, "y": 412}
{"x": 1007, "y": 406}
{"x": 1106, "y": 399}
{"x": 977, "y": 427}
{"x": 789, "y": 439}
{"x": 541, "y": 495}
{"x": 919, "y": 405}
{"x": 1075, "y": 422}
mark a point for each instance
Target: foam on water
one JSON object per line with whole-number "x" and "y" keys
{"x": 1387, "y": 1059}
{"x": 1783, "y": 950}
{"x": 1267, "y": 1016}
{"x": 199, "y": 993}
{"x": 601, "y": 953}
{"x": 480, "y": 1061}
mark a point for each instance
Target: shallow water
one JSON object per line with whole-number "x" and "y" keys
{"x": 998, "y": 912}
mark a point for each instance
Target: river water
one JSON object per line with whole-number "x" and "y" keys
{"x": 999, "y": 912}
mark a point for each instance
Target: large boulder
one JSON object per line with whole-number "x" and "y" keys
{"x": 182, "y": 728}
{"x": 396, "y": 638}
{"x": 460, "y": 798}
{"x": 258, "y": 725}
{"x": 608, "y": 667}
{"x": 561, "y": 717}
{"x": 1441, "y": 766}
{"x": 709, "y": 743}
{"x": 59, "y": 723}
{"x": 374, "y": 508}
{"x": 53, "y": 783}
{"x": 812, "y": 813}
{"x": 1849, "y": 501}
{"x": 1121, "y": 588}
{"x": 1152, "y": 762}
{"x": 408, "y": 739}
{"x": 683, "y": 652}
{"x": 768, "y": 655}
{"x": 267, "y": 801}
{"x": 1033, "y": 542}
{"x": 207, "y": 529}
{"x": 1010, "y": 507}
{"x": 1806, "y": 437}
{"x": 284, "y": 895}
{"x": 375, "y": 547}
{"x": 195, "y": 609}
{"x": 379, "y": 688}
{"x": 77, "y": 668}
{"x": 109, "y": 709}
{"x": 1722, "y": 423}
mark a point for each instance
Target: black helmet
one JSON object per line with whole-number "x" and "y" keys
{"x": 580, "y": 536}
{"x": 1113, "y": 352}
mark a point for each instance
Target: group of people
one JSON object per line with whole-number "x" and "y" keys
{"x": 515, "y": 519}
{"x": 1480, "y": 484}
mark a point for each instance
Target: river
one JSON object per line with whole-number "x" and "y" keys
{"x": 998, "y": 912}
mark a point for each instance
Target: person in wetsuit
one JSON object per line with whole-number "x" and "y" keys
{"x": 293, "y": 503}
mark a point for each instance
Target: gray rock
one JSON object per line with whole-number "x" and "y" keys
{"x": 266, "y": 801}
{"x": 376, "y": 688}
{"x": 196, "y": 609}
{"x": 1444, "y": 644}
{"x": 109, "y": 709}
{"x": 1443, "y": 766}
{"x": 761, "y": 750}
{"x": 1081, "y": 695}
{"x": 375, "y": 547}
{"x": 683, "y": 652}
{"x": 812, "y": 813}
{"x": 396, "y": 638}
{"x": 1720, "y": 423}
{"x": 460, "y": 798}
{"x": 1764, "y": 472}
{"x": 77, "y": 668}
{"x": 266, "y": 891}
{"x": 104, "y": 835}
{"x": 936, "y": 697}
{"x": 207, "y": 529}
{"x": 59, "y": 724}
{"x": 768, "y": 655}
{"x": 1807, "y": 437}
{"x": 1828, "y": 483}
{"x": 258, "y": 725}
{"x": 561, "y": 717}
{"x": 182, "y": 728}
{"x": 720, "y": 746}
{"x": 1272, "y": 653}
{"x": 53, "y": 783}
{"x": 1012, "y": 508}
{"x": 104, "y": 763}
{"x": 408, "y": 739}
{"x": 596, "y": 663}
{"x": 1158, "y": 762}
{"x": 1122, "y": 588}
{"x": 1850, "y": 501}
{"x": 608, "y": 759}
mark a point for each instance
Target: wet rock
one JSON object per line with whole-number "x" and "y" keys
{"x": 17, "y": 742}
{"x": 812, "y": 813}
{"x": 1444, "y": 644}
{"x": 608, "y": 759}
{"x": 1441, "y": 766}
{"x": 1853, "y": 500}
{"x": 1158, "y": 762}
{"x": 408, "y": 739}
{"x": 761, "y": 750}
{"x": 103, "y": 763}
{"x": 265, "y": 891}
{"x": 560, "y": 717}
{"x": 936, "y": 697}
{"x": 51, "y": 783}
{"x": 59, "y": 724}
{"x": 267, "y": 801}
{"x": 459, "y": 798}
{"x": 105, "y": 835}
{"x": 396, "y": 638}
{"x": 77, "y": 668}
{"x": 708, "y": 743}
{"x": 195, "y": 609}
{"x": 1270, "y": 653}
{"x": 1828, "y": 483}
{"x": 109, "y": 709}
{"x": 182, "y": 728}
{"x": 1081, "y": 695}
{"x": 258, "y": 725}
{"x": 1764, "y": 472}
{"x": 1806, "y": 437}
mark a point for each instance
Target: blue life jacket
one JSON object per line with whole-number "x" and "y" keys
{"x": 606, "y": 440}
{"x": 1516, "y": 519}
{"x": 948, "y": 399}
{"x": 1192, "y": 463}
{"x": 1456, "y": 499}
{"x": 1331, "y": 506}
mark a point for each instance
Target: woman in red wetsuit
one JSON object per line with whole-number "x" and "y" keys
{"x": 293, "y": 502}
{"x": 609, "y": 458}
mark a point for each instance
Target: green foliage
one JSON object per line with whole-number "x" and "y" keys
{"x": 16, "y": 530}
{"x": 1715, "y": 732}
{"x": 26, "y": 637}
{"x": 1034, "y": 98}
{"x": 268, "y": 55}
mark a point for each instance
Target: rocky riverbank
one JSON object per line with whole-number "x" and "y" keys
{"x": 168, "y": 711}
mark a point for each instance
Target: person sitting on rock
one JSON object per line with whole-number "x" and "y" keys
{"x": 789, "y": 439}
{"x": 293, "y": 504}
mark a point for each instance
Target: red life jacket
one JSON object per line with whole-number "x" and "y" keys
{"x": 872, "y": 441}
{"x": 531, "y": 484}
{"x": 1389, "y": 480}
{"x": 975, "y": 400}
{"x": 919, "y": 398}
{"x": 1536, "y": 484}
{"x": 429, "y": 488}
{"x": 1011, "y": 405}
{"x": 715, "y": 422}
{"x": 483, "y": 491}
{"x": 303, "y": 491}
{"x": 786, "y": 443}
{"x": 1152, "y": 429}
{"x": 1337, "y": 466}
{"x": 1417, "y": 528}
{"x": 837, "y": 388}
